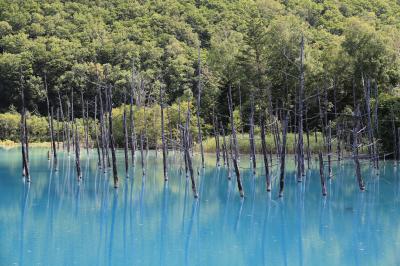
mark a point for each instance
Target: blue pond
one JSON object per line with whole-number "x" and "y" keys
{"x": 57, "y": 221}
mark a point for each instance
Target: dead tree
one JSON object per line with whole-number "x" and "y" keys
{"x": 75, "y": 134}
{"x": 216, "y": 136}
{"x": 84, "y": 123}
{"x": 199, "y": 134}
{"x": 321, "y": 174}
{"x": 99, "y": 155}
{"x": 164, "y": 150}
{"x": 371, "y": 139}
{"x": 251, "y": 135}
{"x": 265, "y": 153}
{"x": 102, "y": 131}
{"x": 24, "y": 138}
{"x": 125, "y": 129}
{"x": 300, "y": 144}
{"x": 282, "y": 157}
{"x": 111, "y": 137}
{"x": 186, "y": 134}
{"x": 235, "y": 148}
{"x": 53, "y": 138}
{"x": 48, "y": 113}
{"x": 356, "y": 129}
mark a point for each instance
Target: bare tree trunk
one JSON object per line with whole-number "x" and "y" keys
{"x": 24, "y": 144}
{"x": 187, "y": 154}
{"x": 371, "y": 146}
{"x": 103, "y": 136}
{"x": 132, "y": 121}
{"x": 216, "y": 137}
{"x": 164, "y": 150}
{"x": 200, "y": 137}
{"x": 48, "y": 113}
{"x": 53, "y": 139}
{"x": 111, "y": 136}
{"x": 97, "y": 135}
{"x": 300, "y": 144}
{"x": 283, "y": 154}
{"x": 395, "y": 155}
{"x": 321, "y": 174}
{"x": 63, "y": 121}
{"x": 329, "y": 143}
{"x": 236, "y": 152}
{"x": 356, "y": 129}
{"x": 77, "y": 152}
{"x": 264, "y": 151}
{"x": 126, "y": 141}
{"x": 252, "y": 144}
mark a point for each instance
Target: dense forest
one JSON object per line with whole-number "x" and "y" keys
{"x": 265, "y": 51}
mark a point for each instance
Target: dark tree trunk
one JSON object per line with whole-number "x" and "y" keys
{"x": 321, "y": 174}
{"x": 283, "y": 154}
{"x": 126, "y": 141}
{"x": 53, "y": 138}
{"x": 216, "y": 137}
{"x": 356, "y": 129}
{"x": 164, "y": 150}
{"x": 24, "y": 143}
{"x": 111, "y": 137}
{"x": 188, "y": 156}
{"x": 251, "y": 135}
{"x": 300, "y": 144}
{"x": 236, "y": 152}
{"x": 97, "y": 135}
{"x": 265, "y": 154}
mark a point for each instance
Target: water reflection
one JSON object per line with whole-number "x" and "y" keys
{"x": 149, "y": 222}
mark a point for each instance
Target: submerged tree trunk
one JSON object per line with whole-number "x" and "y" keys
{"x": 216, "y": 137}
{"x": 356, "y": 129}
{"x": 97, "y": 135}
{"x": 187, "y": 154}
{"x": 126, "y": 142}
{"x": 283, "y": 154}
{"x": 24, "y": 143}
{"x": 265, "y": 155}
{"x": 200, "y": 137}
{"x": 53, "y": 138}
{"x": 251, "y": 134}
{"x": 111, "y": 137}
{"x": 321, "y": 174}
{"x": 236, "y": 152}
{"x": 164, "y": 150}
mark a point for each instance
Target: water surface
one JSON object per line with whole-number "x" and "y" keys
{"x": 57, "y": 221}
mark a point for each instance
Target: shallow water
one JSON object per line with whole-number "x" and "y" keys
{"x": 56, "y": 221}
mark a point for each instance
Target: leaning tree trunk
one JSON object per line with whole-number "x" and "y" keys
{"x": 187, "y": 154}
{"x": 236, "y": 152}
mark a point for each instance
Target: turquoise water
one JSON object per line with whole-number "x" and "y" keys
{"x": 56, "y": 221}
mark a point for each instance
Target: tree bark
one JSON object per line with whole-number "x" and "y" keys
{"x": 236, "y": 152}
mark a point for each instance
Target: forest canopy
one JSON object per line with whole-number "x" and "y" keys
{"x": 254, "y": 45}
